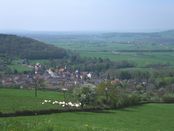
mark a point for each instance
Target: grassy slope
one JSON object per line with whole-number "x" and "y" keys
{"x": 151, "y": 117}
{"x": 15, "y": 100}
{"x": 19, "y": 68}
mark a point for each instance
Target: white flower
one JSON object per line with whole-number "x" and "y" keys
{"x": 77, "y": 105}
{"x": 59, "y": 103}
{"x": 69, "y": 103}
{"x": 56, "y": 102}
{"x": 63, "y": 102}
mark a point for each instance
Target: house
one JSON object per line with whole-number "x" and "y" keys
{"x": 116, "y": 81}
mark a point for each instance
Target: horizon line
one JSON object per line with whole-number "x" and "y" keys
{"x": 82, "y": 31}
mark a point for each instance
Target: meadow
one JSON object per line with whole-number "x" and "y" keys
{"x": 151, "y": 117}
{"x": 147, "y": 117}
{"x": 12, "y": 100}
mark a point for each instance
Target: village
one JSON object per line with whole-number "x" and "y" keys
{"x": 52, "y": 78}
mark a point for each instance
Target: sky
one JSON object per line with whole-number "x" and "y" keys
{"x": 87, "y": 15}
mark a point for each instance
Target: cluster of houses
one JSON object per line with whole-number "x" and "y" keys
{"x": 50, "y": 78}
{"x": 17, "y": 80}
{"x": 58, "y": 79}
{"x": 61, "y": 77}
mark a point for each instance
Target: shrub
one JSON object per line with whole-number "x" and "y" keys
{"x": 115, "y": 96}
{"x": 85, "y": 95}
{"x": 134, "y": 99}
{"x": 168, "y": 98}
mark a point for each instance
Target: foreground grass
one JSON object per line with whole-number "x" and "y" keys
{"x": 150, "y": 117}
{"x": 12, "y": 100}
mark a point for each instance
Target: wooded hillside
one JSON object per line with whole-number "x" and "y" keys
{"x": 22, "y": 47}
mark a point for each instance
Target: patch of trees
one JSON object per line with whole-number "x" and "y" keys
{"x": 157, "y": 65}
{"x": 137, "y": 75}
{"x": 4, "y": 61}
{"x": 106, "y": 95}
{"x": 155, "y": 51}
{"x": 96, "y": 65}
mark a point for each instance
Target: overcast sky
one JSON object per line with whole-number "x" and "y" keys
{"x": 87, "y": 15}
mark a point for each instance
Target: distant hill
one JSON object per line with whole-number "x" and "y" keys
{"x": 165, "y": 37}
{"x": 23, "y": 47}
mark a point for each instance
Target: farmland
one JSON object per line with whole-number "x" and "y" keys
{"x": 151, "y": 117}
{"x": 142, "y": 59}
{"x": 142, "y": 48}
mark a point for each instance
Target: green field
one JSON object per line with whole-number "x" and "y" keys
{"x": 148, "y": 117}
{"x": 151, "y": 117}
{"x": 12, "y": 100}
{"x": 106, "y": 50}
{"x": 19, "y": 68}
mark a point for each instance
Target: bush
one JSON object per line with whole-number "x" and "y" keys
{"x": 125, "y": 100}
{"x": 115, "y": 96}
{"x": 168, "y": 98}
{"x": 134, "y": 99}
{"x": 85, "y": 95}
